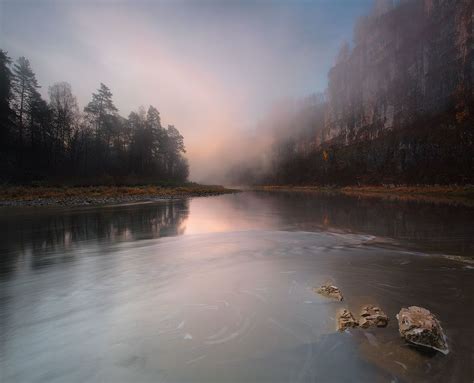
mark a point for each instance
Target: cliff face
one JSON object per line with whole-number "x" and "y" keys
{"x": 399, "y": 107}
{"x": 409, "y": 61}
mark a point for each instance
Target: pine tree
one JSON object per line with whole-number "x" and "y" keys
{"x": 101, "y": 108}
{"x": 103, "y": 116}
{"x": 5, "y": 97}
{"x": 25, "y": 88}
{"x": 155, "y": 134}
{"x": 173, "y": 148}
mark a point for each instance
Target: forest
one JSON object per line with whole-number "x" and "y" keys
{"x": 43, "y": 141}
{"x": 399, "y": 106}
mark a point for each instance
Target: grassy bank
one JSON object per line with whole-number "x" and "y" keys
{"x": 48, "y": 195}
{"x": 452, "y": 194}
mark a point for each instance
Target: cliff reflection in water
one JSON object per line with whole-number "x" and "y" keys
{"x": 426, "y": 226}
{"x": 429, "y": 226}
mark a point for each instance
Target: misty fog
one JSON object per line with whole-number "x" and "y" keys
{"x": 214, "y": 70}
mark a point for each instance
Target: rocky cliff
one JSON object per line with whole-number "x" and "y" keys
{"x": 410, "y": 60}
{"x": 399, "y": 105}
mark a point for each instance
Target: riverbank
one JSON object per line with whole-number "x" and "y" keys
{"x": 452, "y": 194}
{"x": 100, "y": 195}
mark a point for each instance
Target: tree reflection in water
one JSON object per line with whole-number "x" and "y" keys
{"x": 48, "y": 236}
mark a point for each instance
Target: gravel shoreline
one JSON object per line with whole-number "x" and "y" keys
{"x": 98, "y": 201}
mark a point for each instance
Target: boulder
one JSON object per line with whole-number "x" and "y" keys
{"x": 330, "y": 291}
{"x": 420, "y": 327}
{"x": 346, "y": 320}
{"x": 372, "y": 316}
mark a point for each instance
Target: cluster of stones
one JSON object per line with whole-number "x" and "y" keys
{"x": 346, "y": 320}
{"x": 370, "y": 316}
{"x": 416, "y": 325}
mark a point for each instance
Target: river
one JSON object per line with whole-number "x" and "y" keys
{"x": 219, "y": 289}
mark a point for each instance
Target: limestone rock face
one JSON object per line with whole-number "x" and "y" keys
{"x": 372, "y": 316}
{"x": 409, "y": 70}
{"x": 346, "y": 320}
{"x": 420, "y": 327}
{"x": 330, "y": 292}
{"x": 417, "y": 50}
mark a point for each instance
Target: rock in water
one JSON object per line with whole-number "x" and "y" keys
{"x": 330, "y": 292}
{"x": 346, "y": 320}
{"x": 372, "y": 316}
{"x": 420, "y": 327}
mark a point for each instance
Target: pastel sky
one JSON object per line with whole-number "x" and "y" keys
{"x": 212, "y": 68}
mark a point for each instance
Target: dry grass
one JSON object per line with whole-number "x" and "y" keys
{"x": 23, "y": 193}
{"x": 452, "y": 194}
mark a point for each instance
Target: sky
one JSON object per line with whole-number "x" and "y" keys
{"x": 212, "y": 68}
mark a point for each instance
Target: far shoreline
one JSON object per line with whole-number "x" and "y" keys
{"x": 440, "y": 194}
{"x": 73, "y": 196}
{"x": 76, "y": 196}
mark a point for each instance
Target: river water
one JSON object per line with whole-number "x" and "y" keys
{"x": 219, "y": 289}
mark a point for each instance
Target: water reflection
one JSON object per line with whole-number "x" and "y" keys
{"x": 99, "y": 294}
{"x": 427, "y": 226}
{"x": 42, "y": 237}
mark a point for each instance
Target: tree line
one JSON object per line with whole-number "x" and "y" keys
{"x": 42, "y": 139}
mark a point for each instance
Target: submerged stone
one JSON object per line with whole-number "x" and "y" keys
{"x": 420, "y": 327}
{"x": 346, "y": 320}
{"x": 330, "y": 292}
{"x": 372, "y": 316}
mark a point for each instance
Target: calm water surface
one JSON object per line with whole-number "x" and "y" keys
{"x": 219, "y": 289}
